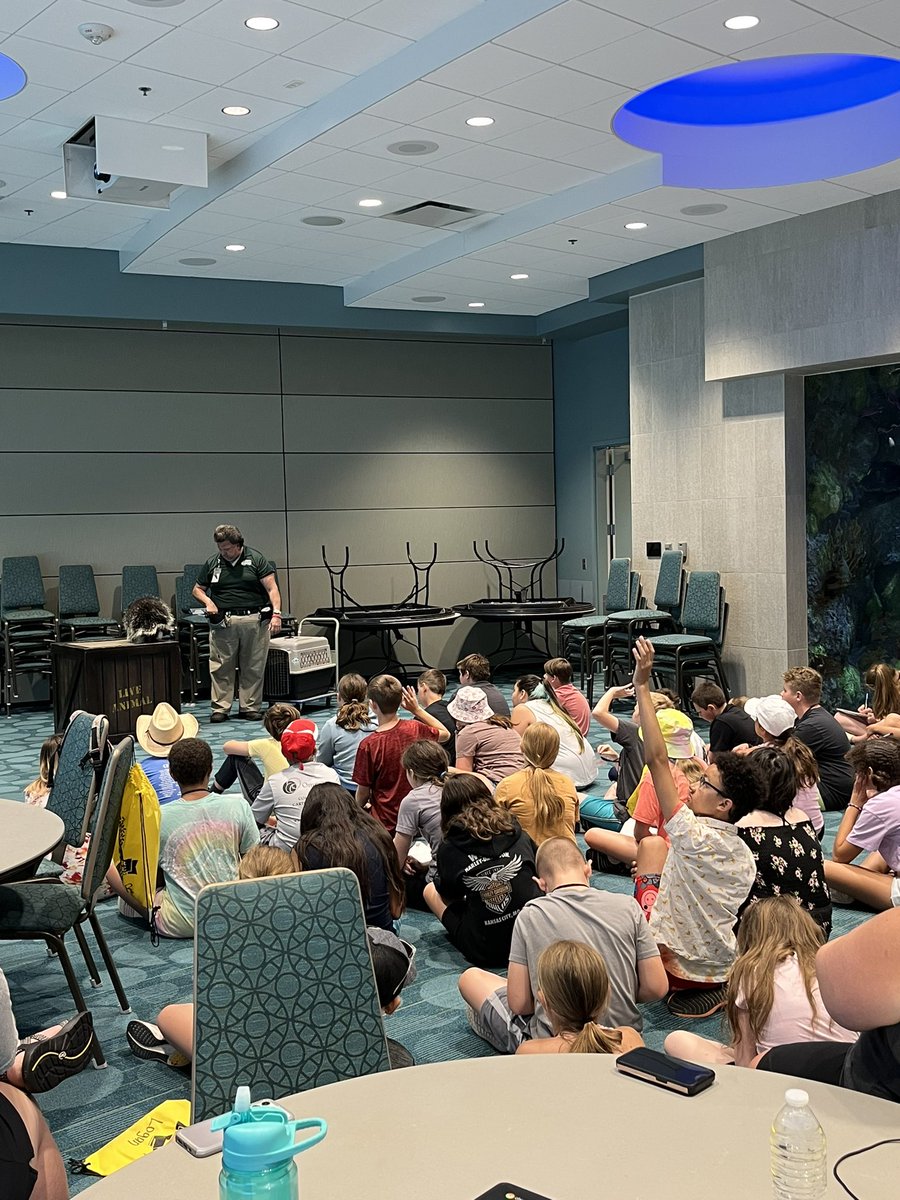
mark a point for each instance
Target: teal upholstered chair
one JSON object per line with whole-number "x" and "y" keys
{"x": 46, "y": 910}
{"x": 27, "y": 627}
{"x": 285, "y": 995}
{"x": 193, "y": 635}
{"x": 190, "y": 572}
{"x": 82, "y": 758}
{"x": 623, "y": 586}
{"x": 622, "y": 628}
{"x": 696, "y": 651}
{"x": 79, "y": 606}
{"x": 138, "y": 582}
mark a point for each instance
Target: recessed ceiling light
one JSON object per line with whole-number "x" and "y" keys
{"x": 636, "y": 225}
{"x": 479, "y": 122}
{"x": 261, "y": 24}
{"x": 476, "y": 304}
{"x": 747, "y": 22}
{"x": 519, "y": 275}
{"x": 58, "y": 195}
{"x": 197, "y": 262}
{"x": 236, "y": 110}
{"x": 428, "y": 299}
{"x": 323, "y": 220}
{"x": 235, "y": 247}
{"x": 371, "y": 203}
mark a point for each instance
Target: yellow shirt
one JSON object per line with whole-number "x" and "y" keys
{"x": 514, "y": 793}
{"x": 268, "y": 751}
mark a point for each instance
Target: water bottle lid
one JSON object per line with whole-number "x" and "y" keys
{"x": 266, "y": 1140}
{"x": 796, "y": 1098}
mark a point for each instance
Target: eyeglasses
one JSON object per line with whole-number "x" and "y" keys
{"x": 704, "y": 782}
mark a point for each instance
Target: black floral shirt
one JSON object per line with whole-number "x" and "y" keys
{"x": 789, "y": 863}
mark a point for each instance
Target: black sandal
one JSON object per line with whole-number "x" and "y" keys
{"x": 696, "y": 1002}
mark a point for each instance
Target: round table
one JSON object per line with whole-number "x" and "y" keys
{"x": 27, "y": 833}
{"x": 566, "y": 1126}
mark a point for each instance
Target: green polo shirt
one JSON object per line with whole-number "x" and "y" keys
{"x": 238, "y": 584}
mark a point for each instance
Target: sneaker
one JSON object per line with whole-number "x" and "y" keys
{"x": 146, "y": 1041}
{"x": 48, "y": 1061}
{"x": 696, "y": 1002}
{"x": 611, "y": 866}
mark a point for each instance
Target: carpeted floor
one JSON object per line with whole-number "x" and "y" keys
{"x": 93, "y": 1107}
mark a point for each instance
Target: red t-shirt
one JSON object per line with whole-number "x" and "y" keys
{"x": 379, "y": 768}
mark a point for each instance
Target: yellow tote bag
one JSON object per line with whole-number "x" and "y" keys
{"x": 147, "y": 1134}
{"x": 137, "y": 844}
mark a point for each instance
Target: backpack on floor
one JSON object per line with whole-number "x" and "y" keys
{"x": 147, "y": 1134}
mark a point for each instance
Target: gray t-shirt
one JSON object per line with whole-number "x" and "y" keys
{"x": 420, "y": 816}
{"x": 612, "y": 924}
{"x": 631, "y": 758}
{"x": 9, "y": 1037}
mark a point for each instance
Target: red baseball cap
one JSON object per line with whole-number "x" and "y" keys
{"x": 298, "y": 742}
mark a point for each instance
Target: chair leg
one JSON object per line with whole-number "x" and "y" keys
{"x": 56, "y": 944}
{"x": 110, "y": 965}
{"x": 87, "y": 956}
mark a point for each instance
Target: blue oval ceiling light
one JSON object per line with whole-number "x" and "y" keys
{"x": 769, "y": 121}
{"x": 12, "y": 77}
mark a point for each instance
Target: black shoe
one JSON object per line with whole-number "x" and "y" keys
{"x": 217, "y": 718}
{"x": 250, "y": 714}
{"x": 48, "y": 1062}
{"x": 609, "y": 866}
{"x": 690, "y": 1002}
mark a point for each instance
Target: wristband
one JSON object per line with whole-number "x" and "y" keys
{"x": 276, "y": 612}
{"x": 858, "y": 807}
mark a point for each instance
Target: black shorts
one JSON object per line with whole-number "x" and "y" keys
{"x": 16, "y": 1153}
{"x": 822, "y": 1062}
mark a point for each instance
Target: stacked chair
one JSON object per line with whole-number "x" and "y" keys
{"x": 27, "y": 628}
{"x": 697, "y": 649}
{"x": 193, "y": 633}
{"x": 79, "y": 607}
{"x": 581, "y": 634}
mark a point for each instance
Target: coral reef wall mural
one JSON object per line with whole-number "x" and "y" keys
{"x": 853, "y": 525}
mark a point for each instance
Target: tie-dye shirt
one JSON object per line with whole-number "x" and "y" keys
{"x": 200, "y": 842}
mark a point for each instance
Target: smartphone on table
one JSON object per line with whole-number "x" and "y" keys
{"x": 662, "y": 1070}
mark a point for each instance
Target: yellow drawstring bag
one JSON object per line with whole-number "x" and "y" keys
{"x": 137, "y": 843}
{"x": 147, "y": 1134}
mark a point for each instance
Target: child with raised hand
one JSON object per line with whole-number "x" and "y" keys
{"x": 573, "y": 987}
{"x": 341, "y": 734}
{"x": 773, "y": 996}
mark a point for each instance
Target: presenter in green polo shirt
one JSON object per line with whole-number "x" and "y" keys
{"x": 237, "y": 588}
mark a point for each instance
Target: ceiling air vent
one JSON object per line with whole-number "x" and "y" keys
{"x": 434, "y": 214}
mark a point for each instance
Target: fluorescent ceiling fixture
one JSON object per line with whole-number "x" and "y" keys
{"x": 58, "y": 195}
{"x": 747, "y": 22}
{"x": 519, "y": 275}
{"x": 479, "y": 122}
{"x": 236, "y": 110}
{"x": 769, "y": 121}
{"x": 371, "y": 203}
{"x": 261, "y": 24}
{"x": 12, "y": 77}
{"x": 476, "y": 304}
{"x": 636, "y": 225}
{"x": 235, "y": 247}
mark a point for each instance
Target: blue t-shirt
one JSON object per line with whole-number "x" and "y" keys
{"x": 157, "y": 771}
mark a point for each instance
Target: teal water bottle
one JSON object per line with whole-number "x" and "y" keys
{"x": 258, "y": 1149}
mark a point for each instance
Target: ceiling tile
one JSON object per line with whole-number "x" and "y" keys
{"x": 647, "y": 12}
{"x": 14, "y": 15}
{"x": 797, "y": 198}
{"x": 409, "y": 104}
{"x": 52, "y": 66}
{"x": 643, "y": 59}
{"x": 32, "y": 100}
{"x": 706, "y": 26}
{"x": 58, "y": 25}
{"x": 507, "y": 120}
{"x": 426, "y": 183}
{"x": 413, "y": 18}
{"x": 357, "y": 130}
{"x": 565, "y": 32}
{"x": 296, "y": 24}
{"x": 301, "y": 158}
{"x": 826, "y": 37}
{"x": 253, "y": 206}
{"x": 874, "y": 181}
{"x": 492, "y": 197}
{"x": 339, "y": 8}
{"x": 548, "y": 139}
{"x": 836, "y": 8}
{"x": 198, "y": 56}
{"x": 27, "y": 162}
{"x": 553, "y": 91}
{"x": 882, "y": 20}
{"x": 349, "y": 47}
{"x": 487, "y": 162}
{"x": 289, "y": 81}
{"x": 549, "y": 177}
{"x": 599, "y": 115}
{"x": 298, "y": 189}
{"x": 607, "y": 154}
{"x": 36, "y": 135}
{"x": 487, "y": 68}
{"x": 207, "y": 110}
{"x": 171, "y": 15}
{"x": 348, "y": 166}
{"x": 447, "y": 145}
{"x": 116, "y": 94}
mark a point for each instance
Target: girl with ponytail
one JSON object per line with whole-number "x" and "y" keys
{"x": 573, "y": 987}
{"x": 340, "y": 736}
{"x": 543, "y": 800}
{"x": 419, "y": 817}
{"x": 535, "y": 702}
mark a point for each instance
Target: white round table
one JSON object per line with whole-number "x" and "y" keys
{"x": 565, "y": 1126}
{"x": 27, "y": 833}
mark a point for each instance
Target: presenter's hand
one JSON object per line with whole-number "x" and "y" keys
{"x": 275, "y": 623}
{"x": 211, "y": 607}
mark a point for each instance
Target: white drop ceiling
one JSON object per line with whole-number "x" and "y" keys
{"x": 556, "y": 185}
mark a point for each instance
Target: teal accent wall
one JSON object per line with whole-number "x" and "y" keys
{"x": 590, "y": 387}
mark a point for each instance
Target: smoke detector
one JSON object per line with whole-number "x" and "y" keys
{"x": 95, "y": 33}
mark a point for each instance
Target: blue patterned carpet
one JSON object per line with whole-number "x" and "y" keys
{"x": 88, "y": 1110}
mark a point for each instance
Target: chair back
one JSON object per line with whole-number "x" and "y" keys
{"x": 78, "y": 592}
{"x": 670, "y": 583}
{"x": 22, "y": 583}
{"x": 618, "y": 586}
{"x": 75, "y": 778}
{"x": 634, "y": 598}
{"x": 191, "y": 571}
{"x": 138, "y": 582}
{"x": 105, "y": 824}
{"x": 183, "y": 598}
{"x": 284, "y": 988}
{"x": 702, "y": 604}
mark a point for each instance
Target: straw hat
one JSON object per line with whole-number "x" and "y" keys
{"x": 158, "y": 732}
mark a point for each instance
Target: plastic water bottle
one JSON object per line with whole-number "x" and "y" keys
{"x": 258, "y": 1149}
{"x": 799, "y": 1167}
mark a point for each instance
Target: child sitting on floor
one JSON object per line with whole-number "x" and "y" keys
{"x": 773, "y": 996}
{"x": 239, "y": 765}
{"x": 573, "y": 987}
{"x": 279, "y": 806}
{"x": 419, "y": 819}
{"x": 340, "y": 736}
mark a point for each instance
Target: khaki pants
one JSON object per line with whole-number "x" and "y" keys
{"x": 239, "y": 642}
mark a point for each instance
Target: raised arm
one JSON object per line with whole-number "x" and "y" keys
{"x": 601, "y": 713}
{"x": 655, "y": 754}
{"x": 410, "y": 702}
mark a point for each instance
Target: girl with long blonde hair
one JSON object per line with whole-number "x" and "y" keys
{"x": 543, "y": 800}
{"x": 772, "y": 993}
{"x": 573, "y": 987}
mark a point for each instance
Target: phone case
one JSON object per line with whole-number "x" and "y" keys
{"x": 201, "y": 1139}
{"x": 509, "y": 1191}
{"x": 662, "y": 1070}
